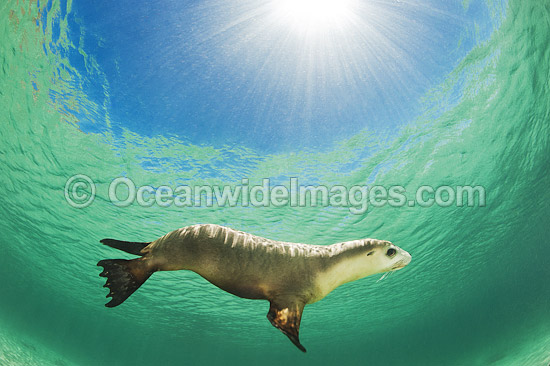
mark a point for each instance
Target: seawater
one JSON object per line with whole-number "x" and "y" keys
{"x": 476, "y": 292}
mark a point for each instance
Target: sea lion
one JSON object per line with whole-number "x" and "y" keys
{"x": 288, "y": 275}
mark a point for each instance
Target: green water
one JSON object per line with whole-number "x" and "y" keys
{"x": 476, "y": 293}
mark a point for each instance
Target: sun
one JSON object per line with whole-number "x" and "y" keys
{"x": 314, "y": 16}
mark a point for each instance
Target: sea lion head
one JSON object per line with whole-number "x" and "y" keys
{"x": 384, "y": 256}
{"x": 356, "y": 259}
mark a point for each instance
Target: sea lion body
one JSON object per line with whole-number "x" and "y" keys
{"x": 245, "y": 265}
{"x": 289, "y": 275}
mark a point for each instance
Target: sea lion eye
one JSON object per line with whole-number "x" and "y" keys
{"x": 391, "y": 252}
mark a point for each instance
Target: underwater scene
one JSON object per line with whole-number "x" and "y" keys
{"x": 415, "y": 132}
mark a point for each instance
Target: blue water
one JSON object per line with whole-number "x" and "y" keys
{"x": 185, "y": 68}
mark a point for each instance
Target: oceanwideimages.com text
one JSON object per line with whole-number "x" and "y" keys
{"x": 80, "y": 192}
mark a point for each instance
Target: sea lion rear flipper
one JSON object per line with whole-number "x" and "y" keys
{"x": 286, "y": 316}
{"x": 124, "y": 277}
{"x": 126, "y": 246}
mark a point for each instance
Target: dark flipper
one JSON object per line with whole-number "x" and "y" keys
{"x": 286, "y": 316}
{"x": 124, "y": 277}
{"x": 126, "y": 246}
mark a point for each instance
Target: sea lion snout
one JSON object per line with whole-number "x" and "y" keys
{"x": 404, "y": 258}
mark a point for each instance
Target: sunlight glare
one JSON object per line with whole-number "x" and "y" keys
{"x": 315, "y": 15}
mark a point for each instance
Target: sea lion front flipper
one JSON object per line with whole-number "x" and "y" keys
{"x": 286, "y": 316}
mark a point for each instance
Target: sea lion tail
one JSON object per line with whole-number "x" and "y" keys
{"x": 126, "y": 246}
{"x": 124, "y": 277}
